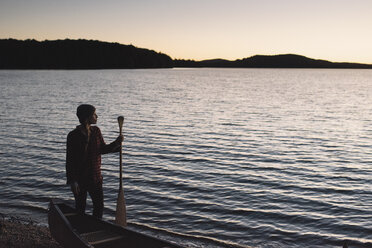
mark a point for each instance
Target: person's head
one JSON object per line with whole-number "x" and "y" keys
{"x": 86, "y": 114}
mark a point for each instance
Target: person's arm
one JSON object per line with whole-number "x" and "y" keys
{"x": 71, "y": 168}
{"x": 71, "y": 177}
{"x": 71, "y": 173}
{"x": 113, "y": 146}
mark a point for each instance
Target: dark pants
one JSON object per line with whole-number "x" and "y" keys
{"x": 96, "y": 193}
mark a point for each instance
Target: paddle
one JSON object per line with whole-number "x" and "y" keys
{"x": 121, "y": 215}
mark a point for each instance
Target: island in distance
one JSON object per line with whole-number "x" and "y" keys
{"x": 92, "y": 54}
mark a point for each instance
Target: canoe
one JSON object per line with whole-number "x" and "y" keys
{"x": 74, "y": 230}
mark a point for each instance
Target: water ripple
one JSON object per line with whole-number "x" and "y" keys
{"x": 212, "y": 157}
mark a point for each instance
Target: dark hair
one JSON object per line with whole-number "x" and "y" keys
{"x": 84, "y": 111}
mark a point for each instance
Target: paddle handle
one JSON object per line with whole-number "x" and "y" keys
{"x": 121, "y": 122}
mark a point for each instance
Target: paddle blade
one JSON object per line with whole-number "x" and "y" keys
{"x": 121, "y": 212}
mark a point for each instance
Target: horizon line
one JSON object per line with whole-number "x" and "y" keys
{"x": 202, "y": 60}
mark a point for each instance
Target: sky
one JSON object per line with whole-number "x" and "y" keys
{"x": 335, "y": 30}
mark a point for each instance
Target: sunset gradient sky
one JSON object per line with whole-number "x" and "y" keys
{"x": 336, "y": 30}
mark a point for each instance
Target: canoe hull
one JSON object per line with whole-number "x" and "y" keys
{"x": 62, "y": 231}
{"x": 84, "y": 231}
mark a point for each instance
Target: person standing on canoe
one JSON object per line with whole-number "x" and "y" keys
{"x": 85, "y": 145}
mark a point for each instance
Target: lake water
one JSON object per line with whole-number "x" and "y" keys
{"x": 212, "y": 157}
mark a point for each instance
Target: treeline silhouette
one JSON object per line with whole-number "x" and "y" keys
{"x": 77, "y": 54}
{"x": 92, "y": 54}
{"x": 270, "y": 61}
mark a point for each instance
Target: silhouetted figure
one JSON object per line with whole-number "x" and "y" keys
{"x": 85, "y": 145}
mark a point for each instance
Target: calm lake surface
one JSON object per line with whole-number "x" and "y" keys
{"x": 212, "y": 157}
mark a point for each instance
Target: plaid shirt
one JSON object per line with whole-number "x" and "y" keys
{"x": 83, "y": 159}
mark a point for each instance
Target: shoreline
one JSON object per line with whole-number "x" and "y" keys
{"x": 16, "y": 232}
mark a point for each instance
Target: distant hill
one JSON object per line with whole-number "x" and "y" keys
{"x": 92, "y": 54}
{"x": 270, "y": 61}
{"x": 77, "y": 54}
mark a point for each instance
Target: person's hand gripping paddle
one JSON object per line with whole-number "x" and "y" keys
{"x": 121, "y": 213}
